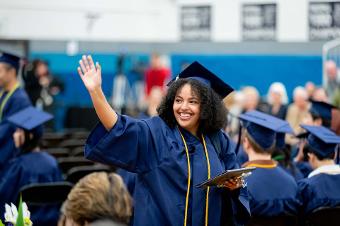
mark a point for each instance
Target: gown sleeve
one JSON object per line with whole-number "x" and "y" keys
{"x": 131, "y": 144}
{"x": 239, "y": 197}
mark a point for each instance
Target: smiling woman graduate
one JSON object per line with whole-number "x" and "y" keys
{"x": 172, "y": 152}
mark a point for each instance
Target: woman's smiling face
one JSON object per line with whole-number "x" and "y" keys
{"x": 187, "y": 109}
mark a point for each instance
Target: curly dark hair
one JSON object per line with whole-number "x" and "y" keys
{"x": 213, "y": 115}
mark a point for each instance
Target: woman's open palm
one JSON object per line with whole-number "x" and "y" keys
{"x": 89, "y": 73}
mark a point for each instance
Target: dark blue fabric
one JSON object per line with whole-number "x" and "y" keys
{"x": 242, "y": 156}
{"x": 272, "y": 192}
{"x": 18, "y": 101}
{"x": 129, "y": 179}
{"x": 305, "y": 168}
{"x": 319, "y": 190}
{"x": 294, "y": 171}
{"x": 33, "y": 167}
{"x": 156, "y": 153}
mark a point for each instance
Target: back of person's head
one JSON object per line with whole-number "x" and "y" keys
{"x": 98, "y": 196}
{"x": 256, "y": 146}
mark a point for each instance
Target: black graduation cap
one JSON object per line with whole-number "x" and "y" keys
{"x": 29, "y": 118}
{"x": 198, "y": 72}
{"x": 263, "y": 127}
{"x": 280, "y": 134}
{"x": 10, "y": 59}
{"x": 321, "y": 109}
{"x": 322, "y": 140}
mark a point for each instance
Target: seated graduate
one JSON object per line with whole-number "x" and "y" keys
{"x": 31, "y": 166}
{"x": 12, "y": 99}
{"x": 97, "y": 199}
{"x": 320, "y": 115}
{"x": 281, "y": 154}
{"x": 272, "y": 191}
{"x": 321, "y": 188}
{"x": 172, "y": 152}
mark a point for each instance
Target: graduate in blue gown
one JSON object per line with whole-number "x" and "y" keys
{"x": 321, "y": 115}
{"x": 31, "y": 166}
{"x": 154, "y": 99}
{"x": 272, "y": 191}
{"x": 173, "y": 152}
{"x": 12, "y": 99}
{"x": 321, "y": 188}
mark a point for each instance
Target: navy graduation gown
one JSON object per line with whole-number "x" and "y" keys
{"x": 321, "y": 190}
{"x": 304, "y": 167}
{"x": 33, "y": 167}
{"x": 272, "y": 191}
{"x": 156, "y": 153}
{"x": 294, "y": 171}
{"x": 18, "y": 101}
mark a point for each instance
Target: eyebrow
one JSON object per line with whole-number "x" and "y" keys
{"x": 191, "y": 98}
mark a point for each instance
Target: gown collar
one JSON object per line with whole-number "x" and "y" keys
{"x": 261, "y": 164}
{"x": 328, "y": 169}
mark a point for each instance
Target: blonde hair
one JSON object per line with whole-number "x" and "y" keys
{"x": 97, "y": 196}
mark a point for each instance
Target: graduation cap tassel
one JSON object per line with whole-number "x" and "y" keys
{"x": 238, "y": 139}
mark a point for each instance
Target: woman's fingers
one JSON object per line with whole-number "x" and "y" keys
{"x": 98, "y": 67}
{"x": 90, "y": 61}
{"x": 86, "y": 63}
{"x": 82, "y": 66}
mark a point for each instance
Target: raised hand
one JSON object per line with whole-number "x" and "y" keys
{"x": 90, "y": 74}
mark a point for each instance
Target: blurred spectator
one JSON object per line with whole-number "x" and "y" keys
{"x": 310, "y": 88}
{"x": 234, "y": 103}
{"x": 137, "y": 87}
{"x": 251, "y": 98}
{"x": 333, "y": 85}
{"x": 153, "y": 101}
{"x": 320, "y": 94}
{"x": 40, "y": 85}
{"x": 277, "y": 99}
{"x": 297, "y": 112}
{"x": 121, "y": 94}
{"x": 157, "y": 75}
{"x": 97, "y": 196}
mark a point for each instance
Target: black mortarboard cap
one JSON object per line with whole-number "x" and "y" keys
{"x": 322, "y": 140}
{"x": 198, "y": 72}
{"x": 321, "y": 109}
{"x": 29, "y": 118}
{"x": 263, "y": 127}
{"x": 10, "y": 59}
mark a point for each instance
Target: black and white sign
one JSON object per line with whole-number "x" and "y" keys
{"x": 196, "y": 23}
{"x": 324, "y": 20}
{"x": 259, "y": 22}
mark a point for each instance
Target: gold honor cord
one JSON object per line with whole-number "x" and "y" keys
{"x": 208, "y": 189}
{"x": 9, "y": 94}
{"x": 189, "y": 177}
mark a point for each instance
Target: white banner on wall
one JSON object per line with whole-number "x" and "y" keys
{"x": 324, "y": 20}
{"x": 196, "y": 23}
{"x": 259, "y": 22}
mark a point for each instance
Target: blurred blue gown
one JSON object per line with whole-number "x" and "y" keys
{"x": 18, "y": 101}
{"x": 156, "y": 153}
{"x": 272, "y": 191}
{"x": 33, "y": 167}
{"x": 321, "y": 190}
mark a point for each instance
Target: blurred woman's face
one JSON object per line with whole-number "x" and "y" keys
{"x": 276, "y": 97}
{"x": 187, "y": 109}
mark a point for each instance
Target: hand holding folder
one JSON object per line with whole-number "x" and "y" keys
{"x": 227, "y": 176}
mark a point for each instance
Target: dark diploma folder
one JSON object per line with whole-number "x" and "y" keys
{"x": 220, "y": 179}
